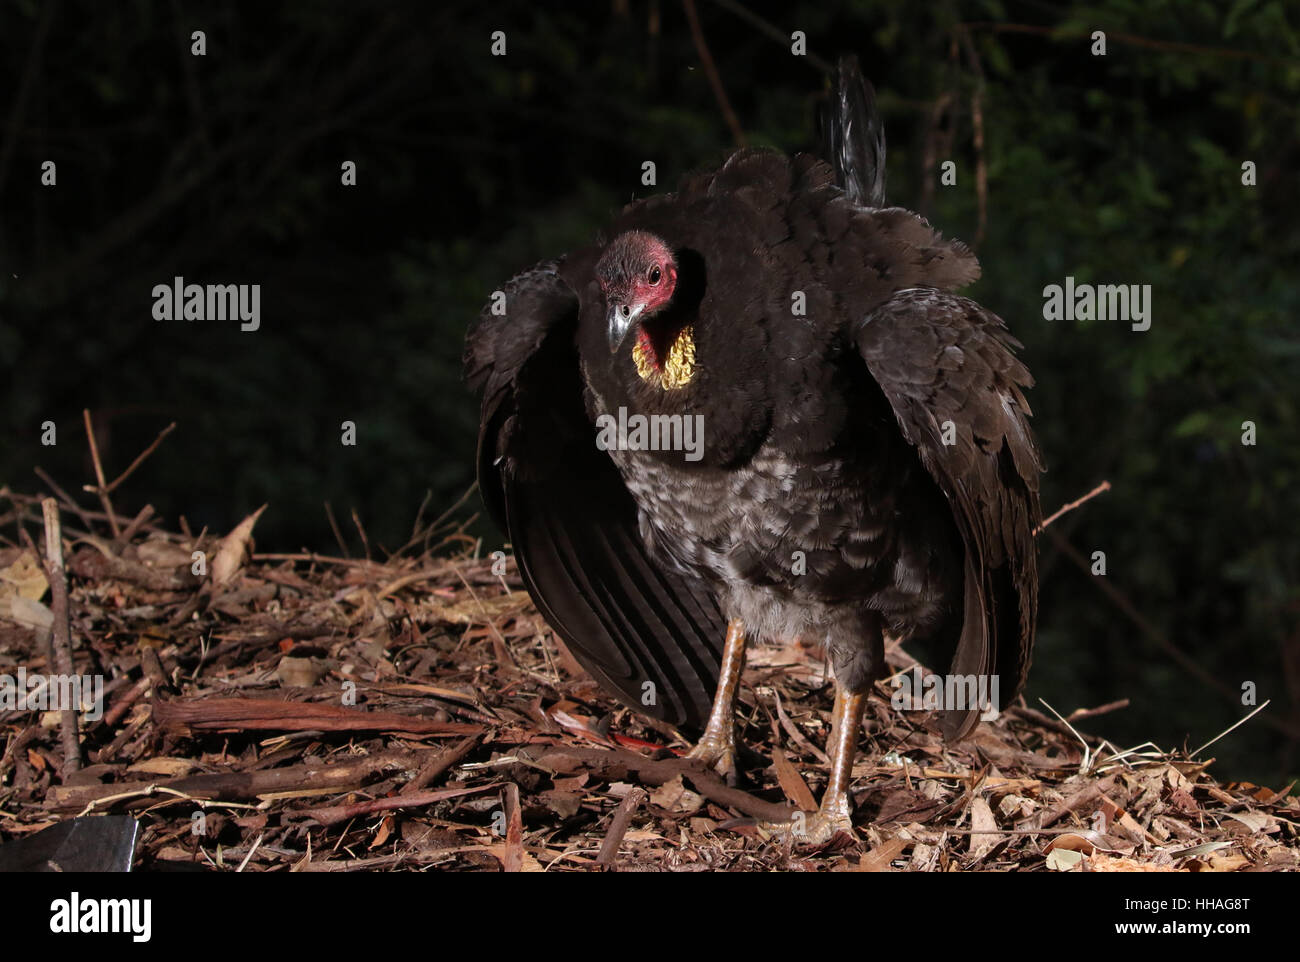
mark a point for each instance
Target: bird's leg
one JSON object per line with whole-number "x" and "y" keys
{"x": 835, "y": 812}
{"x": 846, "y": 720}
{"x": 717, "y": 747}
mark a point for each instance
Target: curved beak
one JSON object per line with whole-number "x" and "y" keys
{"x": 619, "y": 321}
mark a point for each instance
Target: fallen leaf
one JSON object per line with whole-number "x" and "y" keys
{"x": 295, "y": 672}
{"x": 1256, "y": 821}
{"x": 792, "y": 783}
{"x": 24, "y": 578}
{"x": 984, "y": 828}
{"x": 171, "y": 767}
{"x": 1063, "y": 860}
{"x": 676, "y": 798}
{"x": 879, "y": 859}
{"x": 384, "y": 831}
{"x": 25, "y": 612}
{"x": 232, "y": 549}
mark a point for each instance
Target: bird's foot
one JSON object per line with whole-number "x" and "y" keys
{"x": 809, "y": 828}
{"x": 719, "y": 753}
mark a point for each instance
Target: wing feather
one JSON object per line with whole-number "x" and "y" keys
{"x": 570, "y": 519}
{"x": 948, "y": 370}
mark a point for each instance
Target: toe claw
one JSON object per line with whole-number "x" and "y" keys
{"x": 808, "y": 828}
{"x": 720, "y": 758}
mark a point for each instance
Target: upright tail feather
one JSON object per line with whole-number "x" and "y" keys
{"x": 853, "y": 136}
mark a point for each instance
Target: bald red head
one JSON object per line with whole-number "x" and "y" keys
{"x": 637, "y": 275}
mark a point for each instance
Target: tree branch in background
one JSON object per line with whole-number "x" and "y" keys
{"x": 1184, "y": 661}
{"x": 774, "y": 32}
{"x": 1132, "y": 40}
{"x": 977, "y": 123}
{"x": 1066, "y": 508}
{"x": 711, "y": 71}
{"x": 23, "y": 97}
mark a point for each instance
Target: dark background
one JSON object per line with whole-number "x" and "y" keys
{"x": 1119, "y": 169}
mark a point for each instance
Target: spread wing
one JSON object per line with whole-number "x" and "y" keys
{"x": 570, "y": 519}
{"x": 947, "y": 368}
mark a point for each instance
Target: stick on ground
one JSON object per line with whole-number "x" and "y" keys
{"x": 62, "y": 640}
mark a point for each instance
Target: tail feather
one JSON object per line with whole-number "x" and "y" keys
{"x": 854, "y": 136}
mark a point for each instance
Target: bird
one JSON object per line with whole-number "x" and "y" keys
{"x": 754, "y": 410}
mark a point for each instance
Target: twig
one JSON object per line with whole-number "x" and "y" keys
{"x": 977, "y": 123}
{"x": 308, "y": 557}
{"x": 1081, "y": 713}
{"x": 62, "y": 631}
{"x": 137, "y": 522}
{"x": 502, "y": 649}
{"x": 512, "y": 859}
{"x": 432, "y": 770}
{"x": 123, "y": 704}
{"x": 1226, "y": 731}
{"x": 338, "y": 535}
{"x": 1099, "y": 489}
{"x": 140, "y": 458}
{"x": 773, "y": 32}
{"x": 618, "y": 764}
{"x": 66, "y": 498}
{"x": 102, "y": 490}
{"x": 930, "y": 150}
{"x": 1183, "y": 661}
{"x": 257, "y": 844}
{"x": 1132, "y": 40}
{"x": 334, "y": 814}
{"x": 419, "y": 533}
{"x": 1087, "y": 749}
{"x": 711, "y": 71}
{"x": 419, "y": 515}
{"x": 365, "y": 542}
{"x": 618, "y": 827}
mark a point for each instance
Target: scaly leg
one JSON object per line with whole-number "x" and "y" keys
{"x": 834, "y": 814}
{"x": 717, "y": 747}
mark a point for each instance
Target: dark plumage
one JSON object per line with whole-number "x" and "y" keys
{"x": 820, "y": 344}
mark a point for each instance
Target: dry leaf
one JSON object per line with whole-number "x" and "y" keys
{"x": 792, "y": 783}
{"x": 984, "y": 828}
{"x": 171, "y": 767}
{"x": 676, "y": 798}
{"x": 300, "y": 672}
{"x": 24, "y": 578}
{"x": 232, "y": 549}
{"x": 1256, "y": 821}
{"x": 1063, "y": 860}
{"x": 383, "y": 833}
{"x": 25, "y": 612}
{"x": 880, "y": 857}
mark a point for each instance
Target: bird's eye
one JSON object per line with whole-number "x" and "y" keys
{"x": 654, "y": 274}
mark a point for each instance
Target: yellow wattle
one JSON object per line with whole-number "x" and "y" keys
{"x": 678, "y": 369}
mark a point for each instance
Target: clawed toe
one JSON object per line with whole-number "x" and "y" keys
{"x": 718, "y": 756}
{"x": 808, "y": 828}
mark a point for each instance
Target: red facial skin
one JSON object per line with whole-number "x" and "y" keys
{"x": 626, "y": 273}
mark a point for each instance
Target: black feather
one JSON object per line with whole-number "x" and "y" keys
{"x": 830, "y": 359}
{"x": 853, "y": 136}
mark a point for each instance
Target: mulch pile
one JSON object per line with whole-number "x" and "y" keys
{"x": 308, "y": 713}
